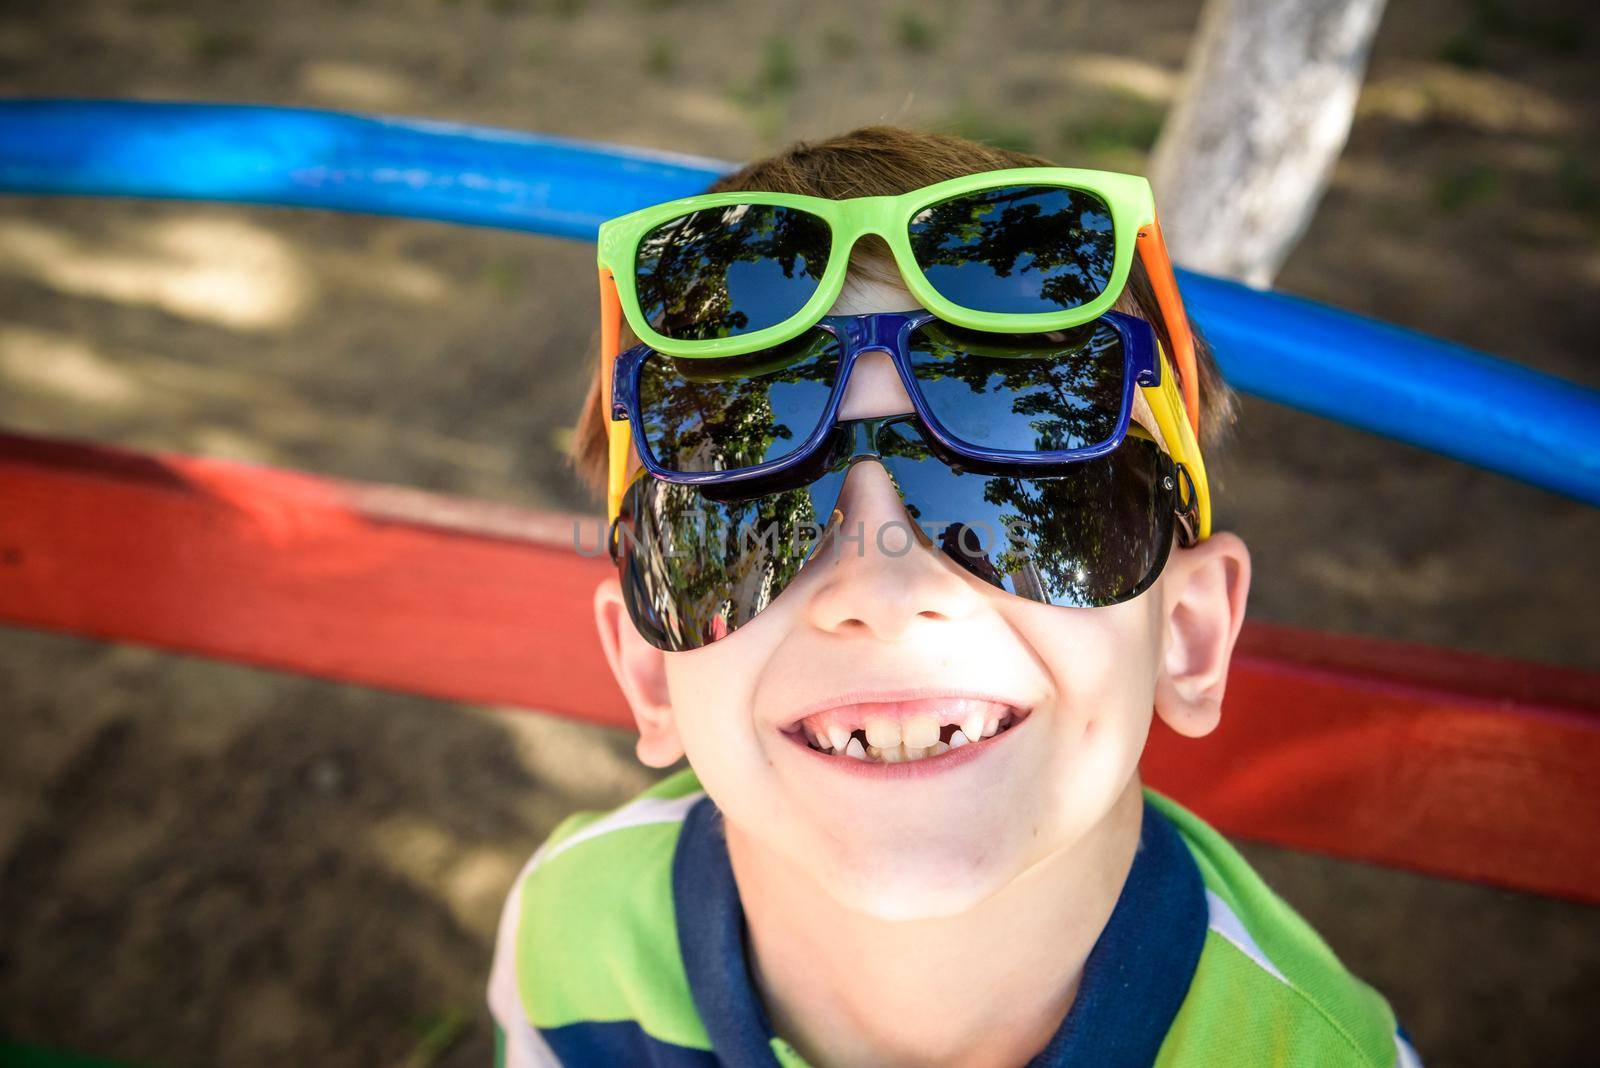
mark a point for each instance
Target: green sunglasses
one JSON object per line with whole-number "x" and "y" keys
{"x": 1019, "y": 250}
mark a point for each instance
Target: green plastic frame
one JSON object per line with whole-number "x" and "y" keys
{"x": 1128, "y": 196}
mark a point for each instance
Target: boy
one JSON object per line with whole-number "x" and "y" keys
{"x": 913, "y": 830}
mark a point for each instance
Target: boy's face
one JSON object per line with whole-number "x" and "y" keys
{"x": 864, "y": 635}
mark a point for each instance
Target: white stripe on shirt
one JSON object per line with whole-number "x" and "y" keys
{"x": 525, "y": 1047}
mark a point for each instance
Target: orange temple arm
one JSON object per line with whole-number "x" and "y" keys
{"x": 1158, "y": 266}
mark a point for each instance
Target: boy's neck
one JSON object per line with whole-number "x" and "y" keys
{"x": 986, "y": 988}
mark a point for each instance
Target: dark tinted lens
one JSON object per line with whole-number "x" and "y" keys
{"x": 719, "y": 272}
{"x": 695, "y": 568}
{"x": 1022, "y": 392}
{"x": 697, "y": 564}
{"x": 1017, "y": 249}
{"x": 1094, "y": 534}
{"x": 736, "y": 412}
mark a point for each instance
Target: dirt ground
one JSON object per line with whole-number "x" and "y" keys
{"x": 207, "y": 864}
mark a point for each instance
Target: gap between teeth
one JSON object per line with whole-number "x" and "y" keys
{"x": 888, "y": 741}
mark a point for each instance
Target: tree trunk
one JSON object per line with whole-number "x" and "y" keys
{"x": 1263, "y": 112}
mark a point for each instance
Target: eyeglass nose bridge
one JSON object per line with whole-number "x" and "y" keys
{"x": 865, "y": 435}
{"x": 876, "y": 332}
{"x": 861, "y": 216}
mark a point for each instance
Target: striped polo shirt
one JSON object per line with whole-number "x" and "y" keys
{"x": 622, "y": 943}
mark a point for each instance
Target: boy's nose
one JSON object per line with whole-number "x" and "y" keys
{"x": 880, "y": 578}
{"x": 874, "y": 389}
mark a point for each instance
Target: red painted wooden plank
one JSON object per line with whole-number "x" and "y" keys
{"x": 379, "y": 585}
{"x": 1375, "y": 751}
{"x": 1421, "y": 758}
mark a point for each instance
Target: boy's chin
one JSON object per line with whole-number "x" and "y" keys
{"x": 923, "y": 883}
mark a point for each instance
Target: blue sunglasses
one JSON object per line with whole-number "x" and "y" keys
{"x": 986, "y": 398}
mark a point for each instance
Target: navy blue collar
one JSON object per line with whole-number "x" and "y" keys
{"x": 1134, "y": 978}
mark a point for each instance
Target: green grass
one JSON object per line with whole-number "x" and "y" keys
{"x": 970, "y": 123}
{"x": 1579, "y": 186}
{"x": 914, "y": 33}
{"x": 437, "y": 1032}
{"x": 1103, "y": 134}
{"x": 840, "y": 42}
{"x": 660, "y": 58}
{"x": 17, "y": 1055}
{"x": 771, "y": 118}
{"x": 1463, "y": 187}
{"x": 504, "y": 276}
{"x": 774, "y": 80}
{"x": 779, "y": 73}
{"x": 1122, "y": 123}
{"x": 1464, "y": 48}
{"x": 215, "y": 44}
{"x": 1493, "y": 22}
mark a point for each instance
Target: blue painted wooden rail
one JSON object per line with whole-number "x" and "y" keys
{"x": 1368, "y": 374}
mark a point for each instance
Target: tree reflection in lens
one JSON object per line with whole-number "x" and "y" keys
{"x": 701, "y": 414}
{"x": 698, "y": 563}
{"x": 719, "y": 272}
{"x": 1043, "y": 392}
{"x": 1017, "y": 249}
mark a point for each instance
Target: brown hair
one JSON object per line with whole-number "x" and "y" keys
{"x": 886, "y": 161}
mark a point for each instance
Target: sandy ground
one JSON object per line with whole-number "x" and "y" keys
{"x": 208, "y": 864}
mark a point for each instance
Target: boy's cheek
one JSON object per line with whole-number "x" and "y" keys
{"x": 1099, "y": 659}
{"x": 1103, "y": 663}
{"x": 711, "y": 691}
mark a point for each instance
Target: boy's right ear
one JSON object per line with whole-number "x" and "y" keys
{"x": 641, "y": 670}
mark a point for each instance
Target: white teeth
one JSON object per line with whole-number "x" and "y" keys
{"x": 883, "y": 732}
{"x": 891, "y": 741}
{"x": 926, "y": 751}
{"x": 972, "y": 726}
{"x": 919, "y": 732}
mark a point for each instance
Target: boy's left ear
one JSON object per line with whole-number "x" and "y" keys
{"x": 1205, "y": 589}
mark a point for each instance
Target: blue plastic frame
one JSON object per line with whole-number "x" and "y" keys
{"x": 888, "y": 332}
{"x": 1386, "y": 379}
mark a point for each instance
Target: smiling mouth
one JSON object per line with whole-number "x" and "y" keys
{"x": 922, "y": 730}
